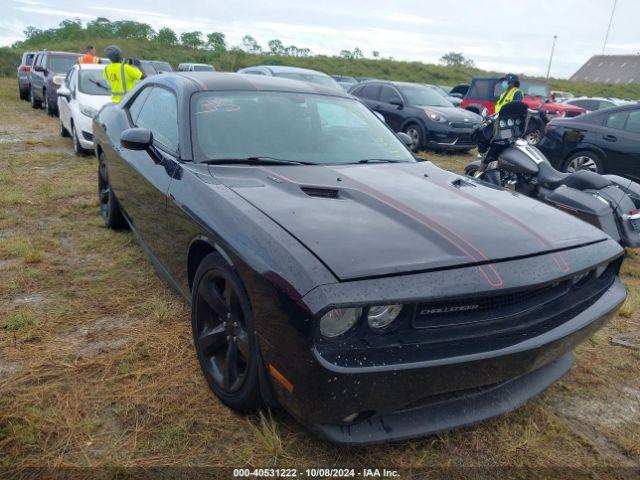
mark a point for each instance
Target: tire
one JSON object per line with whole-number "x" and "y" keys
{"x": 24, "y": 95}
{"x": 583, "y": 160}
{"x": 52, "y": 108}
{"x": 34, "y": 102}
{"x": 470, "y": 170}
{"x": 78, "y": 150}
{"x": 224, "y": 335}
{"x": 63, "y": 131}
{"x": 417, "y": 137}
{"x": 534, "y": 136}
{"x": 109, "y": 208}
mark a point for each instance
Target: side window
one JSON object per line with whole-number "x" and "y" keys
{"x": 370, "y": 92}
{"x": 71, "y": 80}
{"x": 389, "y": 94}
{"x": 633, "y": 122}
{"x": 605, "y": 104}
{"x": 617, "y": 120}
{"x": 254, "y": 72}
{"x": 138, "y": 102}
{"x": 160, "y": 115}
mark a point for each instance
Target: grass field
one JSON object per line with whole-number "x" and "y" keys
{"x": 97, "y": 367}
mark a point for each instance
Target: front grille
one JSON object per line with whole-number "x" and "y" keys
{"x": 448, "y": 313}
{"x": 87, "y": 136}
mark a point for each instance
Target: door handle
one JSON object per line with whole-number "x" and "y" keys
{"x": 610, "y": 138}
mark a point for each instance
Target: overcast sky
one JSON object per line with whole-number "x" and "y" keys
{"x": 497, "y": 35}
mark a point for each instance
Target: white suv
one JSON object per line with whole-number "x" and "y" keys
{"x": 83, "y": 93}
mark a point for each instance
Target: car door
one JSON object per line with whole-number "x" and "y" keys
{"x": 620, "y": 140}
{"x": 37, "y": 76}
{"x": 150, "y": 173}
{"x": 391, "y": 106}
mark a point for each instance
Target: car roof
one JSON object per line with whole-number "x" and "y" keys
{"x": 53, "y": 52}
{"x": 224, "y": 81}
{"x": 91, "y": 66}
{"x": 286, "y": 69}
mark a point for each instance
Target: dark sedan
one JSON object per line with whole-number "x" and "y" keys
{"x": 372, "y": 296}
{"x": 606, "y": 141}
{"x": 422, "y": 113}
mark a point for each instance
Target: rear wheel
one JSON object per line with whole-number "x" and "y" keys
{"x": 109, "y": 207}
{"x": 583, "y": 160}
{"x": 34, "y": 102}
{"x": 223, "y": 334}
{"x": 52, "y": 108}
{"x": 24, "y": 94}
{"x": 415, "y": 133}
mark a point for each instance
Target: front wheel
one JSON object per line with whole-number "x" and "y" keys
{"x": 52, "y": 108}
{"x": 223, "y": 334}
{"x": 471, "y": 170}
{"x": 533, "y": 137}
{"x": 63, "y": 131}
{"x": 78, "y": 149}
{"x": 109, "y": 207}
{"x": 415, "y": 133}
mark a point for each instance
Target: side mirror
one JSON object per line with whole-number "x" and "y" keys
{"x": 397, "y": 103}
{"x": 406, "y": 139}
{"x": 64, "y": 92}
{"x": 136, "y": 139}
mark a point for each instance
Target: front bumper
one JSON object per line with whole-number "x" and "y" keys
{"x": 427, "y": 393}
{"x": 84, "y": 127}
{"x": 448, "y": 137}
{"x": 455, "y": 392}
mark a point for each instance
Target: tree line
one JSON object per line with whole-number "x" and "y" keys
{"x": 104, "y": 28}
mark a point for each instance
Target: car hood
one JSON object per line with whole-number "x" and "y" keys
{"x": 388, "y": 219}
{"x": 454, "y": 114}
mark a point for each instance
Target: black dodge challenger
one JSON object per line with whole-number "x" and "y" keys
{"x": 373, "y": 296}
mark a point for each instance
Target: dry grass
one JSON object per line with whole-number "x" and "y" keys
{"x": 97, "y": 366}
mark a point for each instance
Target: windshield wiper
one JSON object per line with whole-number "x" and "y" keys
{"x": 255, "y": 161}
{"x": 379, "y": 160}
{"x": 96, "y": 82}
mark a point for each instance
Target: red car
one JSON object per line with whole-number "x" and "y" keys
{"x": 484, "y": 92}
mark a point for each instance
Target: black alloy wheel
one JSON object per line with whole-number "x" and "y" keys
{"x": 109, "y": 207}
{"x": 223, "y": 335}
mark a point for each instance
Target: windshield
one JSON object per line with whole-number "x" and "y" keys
{"x": 162, "y": 67}
{"x": 535, "y": 89}
{"x": 421, "y": 96}
{"x": 310, "y": 77}
{"x": 203, "y": 68}
{"x": 62, "y": 63}
{"x": 290, "y": 126}
{"x": 92, "y": 82}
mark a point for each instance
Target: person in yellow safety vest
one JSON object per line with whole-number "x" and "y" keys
{"x": 120, "y": 74}
{"x": 89, "y": 56}
{"x": 512, "y": 92}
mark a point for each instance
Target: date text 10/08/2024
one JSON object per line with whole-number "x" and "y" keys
{"x": 315, "y": 473}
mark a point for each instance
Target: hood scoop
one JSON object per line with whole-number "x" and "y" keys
{"x": 321, "y": 192}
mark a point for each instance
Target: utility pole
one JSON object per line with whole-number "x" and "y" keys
{"x": 606, "y": 37}
{"x": 553, "y": 47}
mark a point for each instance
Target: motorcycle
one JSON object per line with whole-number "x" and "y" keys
{"x": 609, "y": 202}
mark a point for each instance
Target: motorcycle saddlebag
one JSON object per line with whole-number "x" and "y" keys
{"x": 587, "y": 207}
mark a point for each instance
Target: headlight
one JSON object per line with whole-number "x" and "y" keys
{"x": 338, "y": 321}
{"x": 382, "y": 315}
{"x": 435, "y": 116}
{"x": 88, "y": 111}
{"x": 58, "y": 79}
